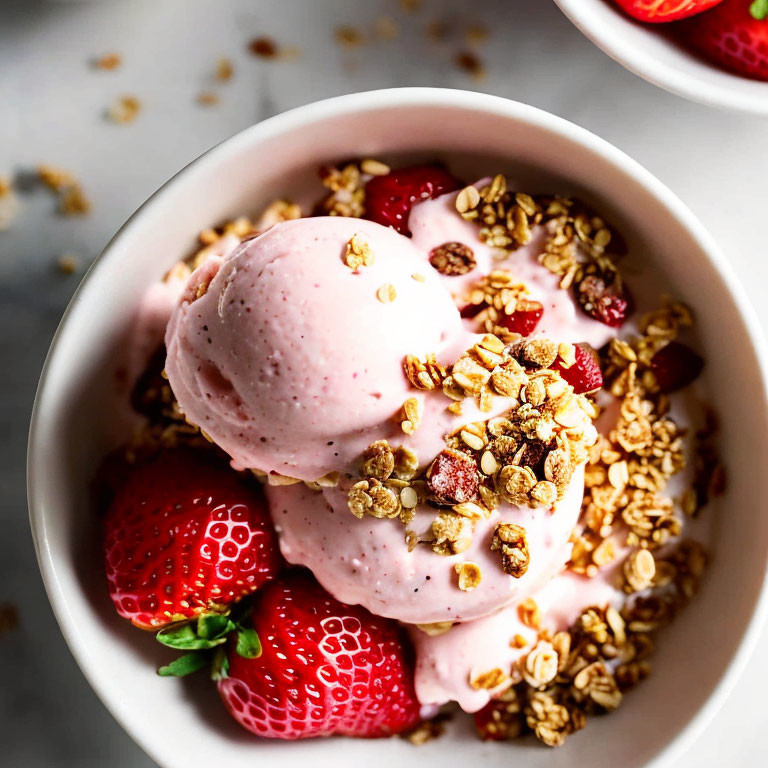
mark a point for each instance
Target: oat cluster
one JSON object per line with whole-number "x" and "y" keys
{"x": 625, "y": 503}
{"x": 565, "y": 678}
{"x": 526, "y": 456}
{"x": 346, "y": 187}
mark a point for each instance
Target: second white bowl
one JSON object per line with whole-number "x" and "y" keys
{"x": 653, "y": 55}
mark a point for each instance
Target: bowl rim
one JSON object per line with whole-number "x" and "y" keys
{"x": 644, "y": 65}
{"x": 307, "y": 114}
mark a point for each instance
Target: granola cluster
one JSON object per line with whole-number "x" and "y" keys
{"x": 572, "y": 675}
{"x": 346, "y": 187}
{"x": 526, "y": 456}
{"x": 628, "y": 470}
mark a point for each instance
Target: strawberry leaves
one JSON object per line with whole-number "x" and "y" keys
{"x": 202, "y": 637}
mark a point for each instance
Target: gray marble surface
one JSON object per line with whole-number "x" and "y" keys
{"x": 51, "y": 107}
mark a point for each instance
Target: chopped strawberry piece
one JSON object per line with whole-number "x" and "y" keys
{"x": 389, "y": 199}
{"x": 675, "y": 366}
{"x": 452, "y": 478}
{"x": 585, "y": 374}
{"x": 186, "y": 535}
{"x": 604, "y": 300}
{"x": 657, "y": 11}
{"x": 325, "y": 668}
{"x": 524, "y": 319}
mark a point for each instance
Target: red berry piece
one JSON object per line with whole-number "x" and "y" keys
{"x": 604, "y": 299}
{"x": 525, "y": 318}
{"x": 585, "y": 374}
{"x": 733, "y": 35}
{"x": 325, "y": 668}
{"x": 186, "y": 535}
{"x": 452, "y": 478}
{"x": 658, "y": 11}
{"x": 389, "y": 199}
{"x": 675, "y": 366}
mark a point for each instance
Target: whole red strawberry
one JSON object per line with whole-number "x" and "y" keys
{"x": 325, "y": 668}
{"x": 524, "y": 319}
{"x": 675, "y": 366}
{"x": 389, "y": 199}
{"x": 665, "y": 10}
{"x": 733, "y": 35}
{"x": 185, "y": 536}
{"x": 585, "y": 374}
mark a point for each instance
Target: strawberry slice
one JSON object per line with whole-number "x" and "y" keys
{"x": 185, "y": 536}
{"x": 733, "y": 35}
{"x": 585, "y": 374}
{"x": 675, "y": 366}
{"x": 324, "y": 668}
{"x": 389, "y": 199}
{"x": 658, "y": 11}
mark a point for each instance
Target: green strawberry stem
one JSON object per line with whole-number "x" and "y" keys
{"x": 204, "y": 637}
{"x": 759, "y": 9}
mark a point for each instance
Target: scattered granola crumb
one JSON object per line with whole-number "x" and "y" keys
{"x": 67, "y": 263}
{"x": 73, "y": 201}
{"x": 9, "y": 204}
{"x": 108, "y": 61}
{"x": 374, "y": 167}
{"x": 207, "y": 98}
{"x": 452, "y": 259}
{"x": 469, "y": 575}
{"x": 9, "y": 617}
{"x": 350, "y": 37}
{"x": 470, "y": 63}
{"x": 264, "y": 48}
{"x": 224, "y": 69}
{"x": 518, "y": 641}
{"x": 436, "y": 628}
{"x": 125, "y": 110}
{"x": 55, "y": 178}
{"x": 418, "y": 277}
{"x": 386, "y": 293}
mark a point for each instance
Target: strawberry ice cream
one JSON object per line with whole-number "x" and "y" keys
{"x": 449, "y": 427}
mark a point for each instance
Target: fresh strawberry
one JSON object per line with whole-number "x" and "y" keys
{"x": 675, "y": 366}
{"x": 452, "y": 478}
{"x": 733, "y": 35}
{"x": 185, "y": 536}
{"x": 657, "y": 11}
{"x": 524, "y": 319}
{"x": 389, "y": 199}
{"x": 604, "y": 298}
{"x": 585, "y": 374}
{"x": 325, "y": 668}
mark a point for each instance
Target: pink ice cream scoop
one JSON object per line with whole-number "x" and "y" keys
{"x": 290, "y": 360}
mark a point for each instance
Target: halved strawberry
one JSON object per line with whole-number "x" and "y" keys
{"x": 657, "y": 11}
{"x": 185, "y": 536}
{"x": 585, "y": 374}
{"x": 389, "y": 199}
{"x": 733, "y": 35}
{"x": 325, "y": 668}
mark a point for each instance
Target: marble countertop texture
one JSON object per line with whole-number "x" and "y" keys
{"x": 51, "y": 111}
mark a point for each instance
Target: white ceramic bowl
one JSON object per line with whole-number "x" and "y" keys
{"x": 647, "y": 51}
{"x": 181, "y": 723}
